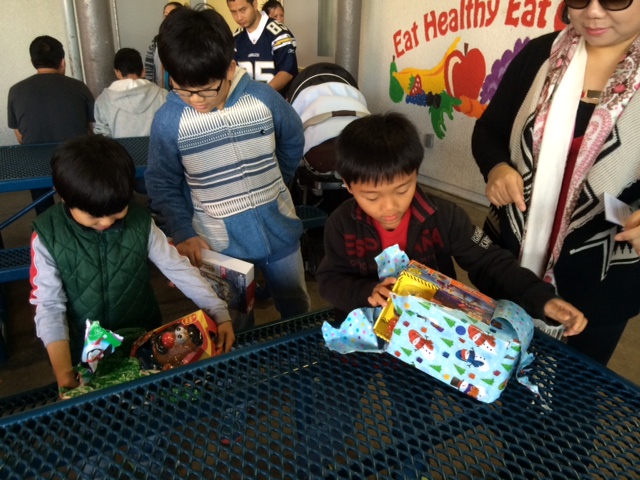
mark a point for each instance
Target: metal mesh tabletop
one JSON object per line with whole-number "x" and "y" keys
{"x": 24, "y": 167}
{"x": 290, "y": 408}
{"x": 47, "y": 395}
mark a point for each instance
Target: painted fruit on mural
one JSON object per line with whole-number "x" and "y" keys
{"x": 497, "y": 71}
{"x": 464, "y": 73}
{"x": 432, "y": 79}
{"x": 396, "y": 93}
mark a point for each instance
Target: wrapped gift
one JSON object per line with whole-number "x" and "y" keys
{"x": 444, "y": 328}
{"x": 455, "y": 333}
{"x": 183, "y": 341}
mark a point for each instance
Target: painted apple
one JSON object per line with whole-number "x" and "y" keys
{"x": 465, "y": 73}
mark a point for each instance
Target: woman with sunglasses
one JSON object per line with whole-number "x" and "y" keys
{"x": 561, "y": 133}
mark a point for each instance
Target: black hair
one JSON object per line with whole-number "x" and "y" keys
{"x": 46, "y": 52}
{"x": 378, "y": 148}
{"x": 175, "y": 4}
{"x": 128, "y": 61}
{"x": 196, "y": 47}
{"x": 564, "y": 16}
{"x": 94, "y": 174}
{"x": 270, "y": 5}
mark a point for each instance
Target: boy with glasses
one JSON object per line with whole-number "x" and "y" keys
{"x": 221, "y": 153}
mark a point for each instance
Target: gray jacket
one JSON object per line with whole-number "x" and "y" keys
{"x": 127, "y": 107}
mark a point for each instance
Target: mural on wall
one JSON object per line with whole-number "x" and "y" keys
{"x": 459, "y": 83}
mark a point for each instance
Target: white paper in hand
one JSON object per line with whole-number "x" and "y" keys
{"x": 616, "y": 211}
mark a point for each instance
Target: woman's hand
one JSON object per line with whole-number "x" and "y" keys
{"x": 631, "y": 232}
{"x": 381, "y": 292}
{"x": 192, "y": 249}
{"x": 505, "y": 186}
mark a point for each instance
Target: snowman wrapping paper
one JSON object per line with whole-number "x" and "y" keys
{"x": 474, "y": 350}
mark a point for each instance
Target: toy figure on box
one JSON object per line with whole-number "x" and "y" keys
{"x": 173, "y": 346}
{"x": 183, "y": 341}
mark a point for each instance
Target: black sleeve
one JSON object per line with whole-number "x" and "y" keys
{"x": 494, "y": 270}
{"x": 338, "y": 282}
{"x": 492, "y": 131}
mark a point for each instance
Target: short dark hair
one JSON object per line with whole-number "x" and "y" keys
{"x": 173, "y": 4}
{"x": 128, "y": 61}
{"x": 94, "y": 174}
{"x": 46, "y": 52}
{"x": 378, "y": 148}
{"x": 196, "y": 47}
{"x": 270, "y": 5}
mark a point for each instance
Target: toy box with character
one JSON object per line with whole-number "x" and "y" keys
{"x": 442, "y": 327}
{"x": 111, "y": 358}
{"x": 183, "y": 341}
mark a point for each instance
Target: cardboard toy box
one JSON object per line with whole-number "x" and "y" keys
{"x": 233, "y": 281}
{"x": 183, "y": 341}
{"x": 453, "y": 332}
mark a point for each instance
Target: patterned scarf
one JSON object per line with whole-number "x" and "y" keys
{"x": 622, "y": 85}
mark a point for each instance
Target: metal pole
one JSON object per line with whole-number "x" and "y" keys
{"x": 72, "y": 50}
{"x": 97, "y": 42}
{"x": 349, "y": 14}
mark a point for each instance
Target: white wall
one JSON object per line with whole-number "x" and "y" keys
{"x": 20, "y": 23}
{"x": 301, "y": 16}
{"x": 138, "y": 22}
{"x": 449, "y": 165}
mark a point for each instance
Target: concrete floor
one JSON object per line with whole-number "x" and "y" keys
{"x": 28, "y": 367}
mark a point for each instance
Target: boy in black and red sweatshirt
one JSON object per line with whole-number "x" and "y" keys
{"x": 378, "y": 158}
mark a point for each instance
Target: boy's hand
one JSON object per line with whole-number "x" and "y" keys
{"x": 631, "y": 232}
{"x": 226, "y": 337}
{"x": 505, "y": 186}
{"x": 60, "y": 356}
{"x": 381, "y": 292}
{"x": 68, "y": 380}
{"x": 565, "y": 313}
{"x": 192, "y": 249}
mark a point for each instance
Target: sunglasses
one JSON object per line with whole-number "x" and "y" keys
{"x": 610, "y": 5}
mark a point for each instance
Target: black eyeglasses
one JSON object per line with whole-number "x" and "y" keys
{"x": 611, "y": 5}
{"x": 206, "y": 93}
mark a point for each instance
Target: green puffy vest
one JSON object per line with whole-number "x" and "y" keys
{"x": 105, "y": 274}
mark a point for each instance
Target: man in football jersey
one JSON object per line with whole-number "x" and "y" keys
{"x": 265, "y": 48}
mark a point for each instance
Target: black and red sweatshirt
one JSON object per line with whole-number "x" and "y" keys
{"x": 439, "y": 232}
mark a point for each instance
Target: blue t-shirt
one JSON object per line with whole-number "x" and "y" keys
{"x": 273, "y": 52}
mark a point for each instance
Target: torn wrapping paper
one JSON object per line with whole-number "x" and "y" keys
{"x": 391, "y": 262}
{"x": 354, "y": 335}
{"x": 444, "y": 328}
{"x": 98, "y": 343}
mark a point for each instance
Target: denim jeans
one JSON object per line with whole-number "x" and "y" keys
{"x": 286, "y": 281}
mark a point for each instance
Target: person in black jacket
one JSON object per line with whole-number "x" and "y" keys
{"x": 559, "y": 136}
{"x": 378, "y": 158}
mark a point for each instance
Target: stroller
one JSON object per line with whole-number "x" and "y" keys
{"x": 326, "y": 97}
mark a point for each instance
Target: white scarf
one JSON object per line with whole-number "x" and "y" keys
{"x": 554, "y": 149}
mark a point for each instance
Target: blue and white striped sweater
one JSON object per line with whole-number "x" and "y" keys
{"x": 229, "y": 165}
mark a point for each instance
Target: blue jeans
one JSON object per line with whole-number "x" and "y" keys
{"x": 286, "y": 282}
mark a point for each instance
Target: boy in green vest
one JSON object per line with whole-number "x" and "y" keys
{"x": 89, "y": 256}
